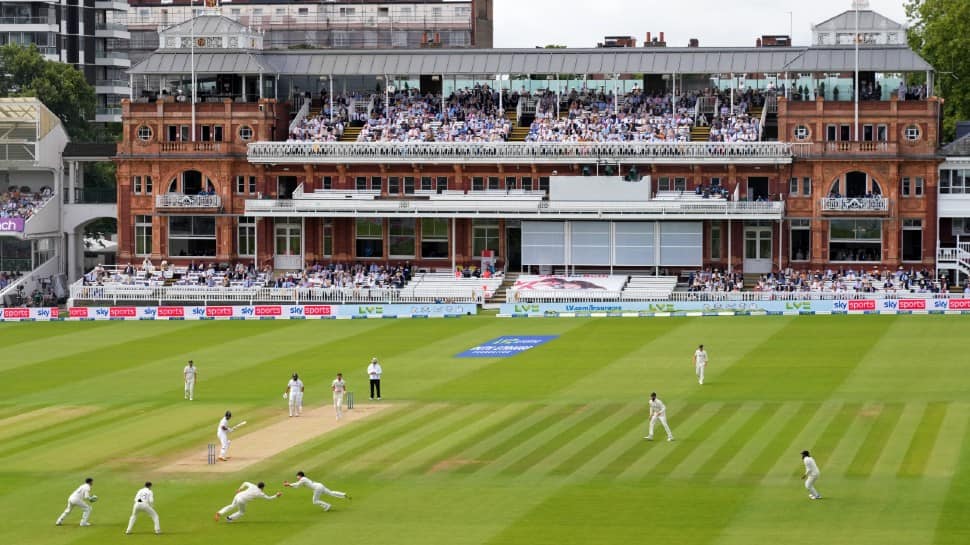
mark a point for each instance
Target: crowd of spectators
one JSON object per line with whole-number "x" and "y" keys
{"x": 598, "y": 116}
{"x": 736, "y": 125}
{"x": 853, "y": 281}
{"x": 195, "y": 274}
{"x": 467, "y": 115}
{"x": 21, "y": 202}
{"x": 347, "y": 276}
{"x": 715, "y": 281}
{"x": 7, "y": 278}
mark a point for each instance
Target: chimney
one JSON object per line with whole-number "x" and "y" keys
{"x": 662, "y": 37}
{"x": 648, "y": 37}
{"x": 757, "y": 43}
{"x": 694, "y": 42}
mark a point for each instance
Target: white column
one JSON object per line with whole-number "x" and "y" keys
{"x": 72, "y": 264}
{"x": 331, "y": 98}
{"x": 302, "y": 243}
{"x": 260, "y": 85}
{"x": 244, "y": 88}
{"x": 451, "y": 240}
{"x": 733, "y": 83}
{"x": 256, "y": 243}
{"x": 781, "y": 242}
{"x": 730, "y": 266}
{"x": 442, "y": 94}
{"x": 71, "y": 181}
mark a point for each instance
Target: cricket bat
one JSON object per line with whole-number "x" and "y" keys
{"x": 239, "y": 425}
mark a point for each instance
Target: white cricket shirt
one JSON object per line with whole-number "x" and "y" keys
{"x": 700, "y": 356}
{"x": 657, "y": 407}
{"x": 811, "y": 468}
{"x": 251, "y": 492}
{"x": 189, "y": 373}
{"x": 83, "y": 492}
{"x": 223, "y": 423}
{"x": 339, "y": 386}
{"x": 295, "y": 386}
{"x": 145, "y": 495}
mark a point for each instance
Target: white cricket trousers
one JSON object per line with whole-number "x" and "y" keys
{"x": 225, "y": 442}
{"x": 320, "y": 490}
{"x": 663, "y": 421}
{"x": 80, "y": 504}
{"x": 189, "y": 389}
{"x": 699, "y": 370}
{"x": 144, "y": 508}
{"x": 810, "y": 485}
{"x": 296, "y": 403}
{"x": 239, "y": 506}
{"x": 338, "y": 404}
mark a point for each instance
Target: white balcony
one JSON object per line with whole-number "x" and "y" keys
{"x": 953, "y": 205}
{"x": 105, "y": 114}
{"x": 118, "y": 31}
{"x": 855, "y": 204}
{"x": 112, "y": 87}
{"x": 117, "y": 59}
{"x": 177, "y": 201}
{"x": 762, "y": 153}
{"x": 29, "y": 24}
{"x": 112, "y": 5}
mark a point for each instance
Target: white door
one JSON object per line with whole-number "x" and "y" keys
{"x": 757, "y": 250}
{"x": 289, "y": 246}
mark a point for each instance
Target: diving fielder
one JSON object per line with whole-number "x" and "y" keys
{"x": 144, "y": 503}
{"x": 658, "y": 411}
{"x": 318, "y": 490}
{"x": 190, "y": 373}
{"x": 811, "y": 475}
{"x": 222, "y": 432}
{"x": 700, "y": 362}
{"x": 244, "y": 494}
{"x": 294, "y": 390}
{"x": 339, "y": 387}
{"x": 80, "y": 498}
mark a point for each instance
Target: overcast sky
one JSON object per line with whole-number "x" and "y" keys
{"x": 583, "y": 23}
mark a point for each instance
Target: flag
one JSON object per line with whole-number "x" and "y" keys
{"x": 737, "y": 192}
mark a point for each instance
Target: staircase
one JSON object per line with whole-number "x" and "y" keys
{"x": 955, "y": 258}
{"x": 700, "y": 134}
{"x": 501, "y": 294}
{"x": 350, "y": 134}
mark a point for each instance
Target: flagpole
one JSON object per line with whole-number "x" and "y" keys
{"x": 858, "y": 38}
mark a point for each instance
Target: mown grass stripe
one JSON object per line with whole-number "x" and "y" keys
{"x": 566, "y": 445}
{"x": 650, "y": 454}
{"x": 537, "y": 450}
{"x": 492, "y": 455}
{"x": 761, "y": 437}
{"x": 682, "y": 448}
{"x": 891, "y": 458}
{"x": 474, "y": 435}
{"x": 875, "y": 442}
{"x": 840, "y": 440}
{"x": 784, "y": 449}
{"x": 379, "y": 461}
{"x": 636, "y": 449}
{"x": 921, "y": 445}
{"x": 746, "y": 430}
{"x": 575, "y": 464}
{"x": 946, "y": 450}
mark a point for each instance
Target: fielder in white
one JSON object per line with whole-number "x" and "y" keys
{"x": 222, "y": 432}
{"x": 318, "y": 490}
{"x": 80, "y": 498}
{"x": 244, "y": 494}
{"x": 339, "y": 387}
{"x": 658, "y": 411}
{"x": 811, "y": 475}
{"x": 700, "y": 363}
{"x": 144, "y": 503}
{"x": 189, "y": 374}
{"x": 294, "y": 391}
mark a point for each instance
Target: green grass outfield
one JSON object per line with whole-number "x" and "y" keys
{"x": 542, "y": 448}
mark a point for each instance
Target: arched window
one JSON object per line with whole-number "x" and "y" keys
{"x": 191, "y": 182}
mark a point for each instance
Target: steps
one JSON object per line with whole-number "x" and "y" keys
{"x": 518, "y": 133}
{"x": 700, "y": 134}
{"x": 350, "y": 134}
{"x": 501, "y": 294}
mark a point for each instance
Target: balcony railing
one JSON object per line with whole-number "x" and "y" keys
{"x": 187, "y": 147}
{"x": 855, "y": 204}
{"x": 488, "y": 152}
{"x": 111, "y": 26}
{"x": 122, "y": 55}
{"x": 112, "y": 83}
{"x": 105, "y": 110}
{"x": 177, "y": 200}
{"x": 28, "y": 21}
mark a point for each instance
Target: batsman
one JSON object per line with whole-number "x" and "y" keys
{"x": 223, "y": 431}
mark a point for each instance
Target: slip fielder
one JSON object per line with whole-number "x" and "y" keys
{"x": 144, "y": 503}
{"x": 80, "y": 498}
{"x": 244, "y": 494}
{"x": 318, "y": 490}
{"x": 658, "y": 411}
{"x": 811, "y": 475}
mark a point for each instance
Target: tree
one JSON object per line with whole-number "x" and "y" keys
{"x": 938, "y": 34}
{"x": 61, "y": 87}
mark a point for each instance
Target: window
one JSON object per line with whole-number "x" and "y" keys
{"x": 800, "y": 247}
{"x": 493, "y": 182}
{"x": 793, "y": 186}
{"x": 370, "y": 238}
{"x": 527, "y": 183}
{"x": 478, "y": 184}
{"x": 245, "y": 133}
{"x": 347, "y": 11}
{"x": 401, "y": 243}
{"x": 246, "y": 237}
{"x": 801, "y": 132}
{"x": 715, "y": 241}
{"x": 911, "y": 133}
{"x": 484, "y": 236}
{"x": 393, "y": 185}
{"x": 442, "y": 183}
{"x": 715, "y": 182}
{"x": 882, "y": 133}
{"x": 680, "y": 184}
{"x": 807, "y": 187}
{"x": 192, "y": 236}
{"x": 143, "y": 235}
{"x": 302, "y": 12}
{"x": 510, "y": 182}
{"x": 289, "y": 237}
{"x": 845, "y": 133}
{"x": 855, "y": 240}
{"x": 426, "y": 183}
{"x": 144, "y": 133}
{"x": 409, "y": 185}
{"x": 544, "y": 184}
{"x": 240, "y": 184}
{"x": 912, "y": 240}
{"x": 918, "y": 186}
{"x": 663, "y": 184}
{"x": 360, "y": 183}
{"x": 955, "y": 181}
{"x": 867, "y": 134}
{"x": 328, "y": 237}
{"x": 136, "y": 185}
{"x": 246, "y": 184}
{"x": 383, "y": 12}
{"x": 830, "y": 133}
{"x": 434, "y": 238}
{"x": 376, "y": 183}
{"x": 912, "y": 187}
{"x": 906, "y": 187}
